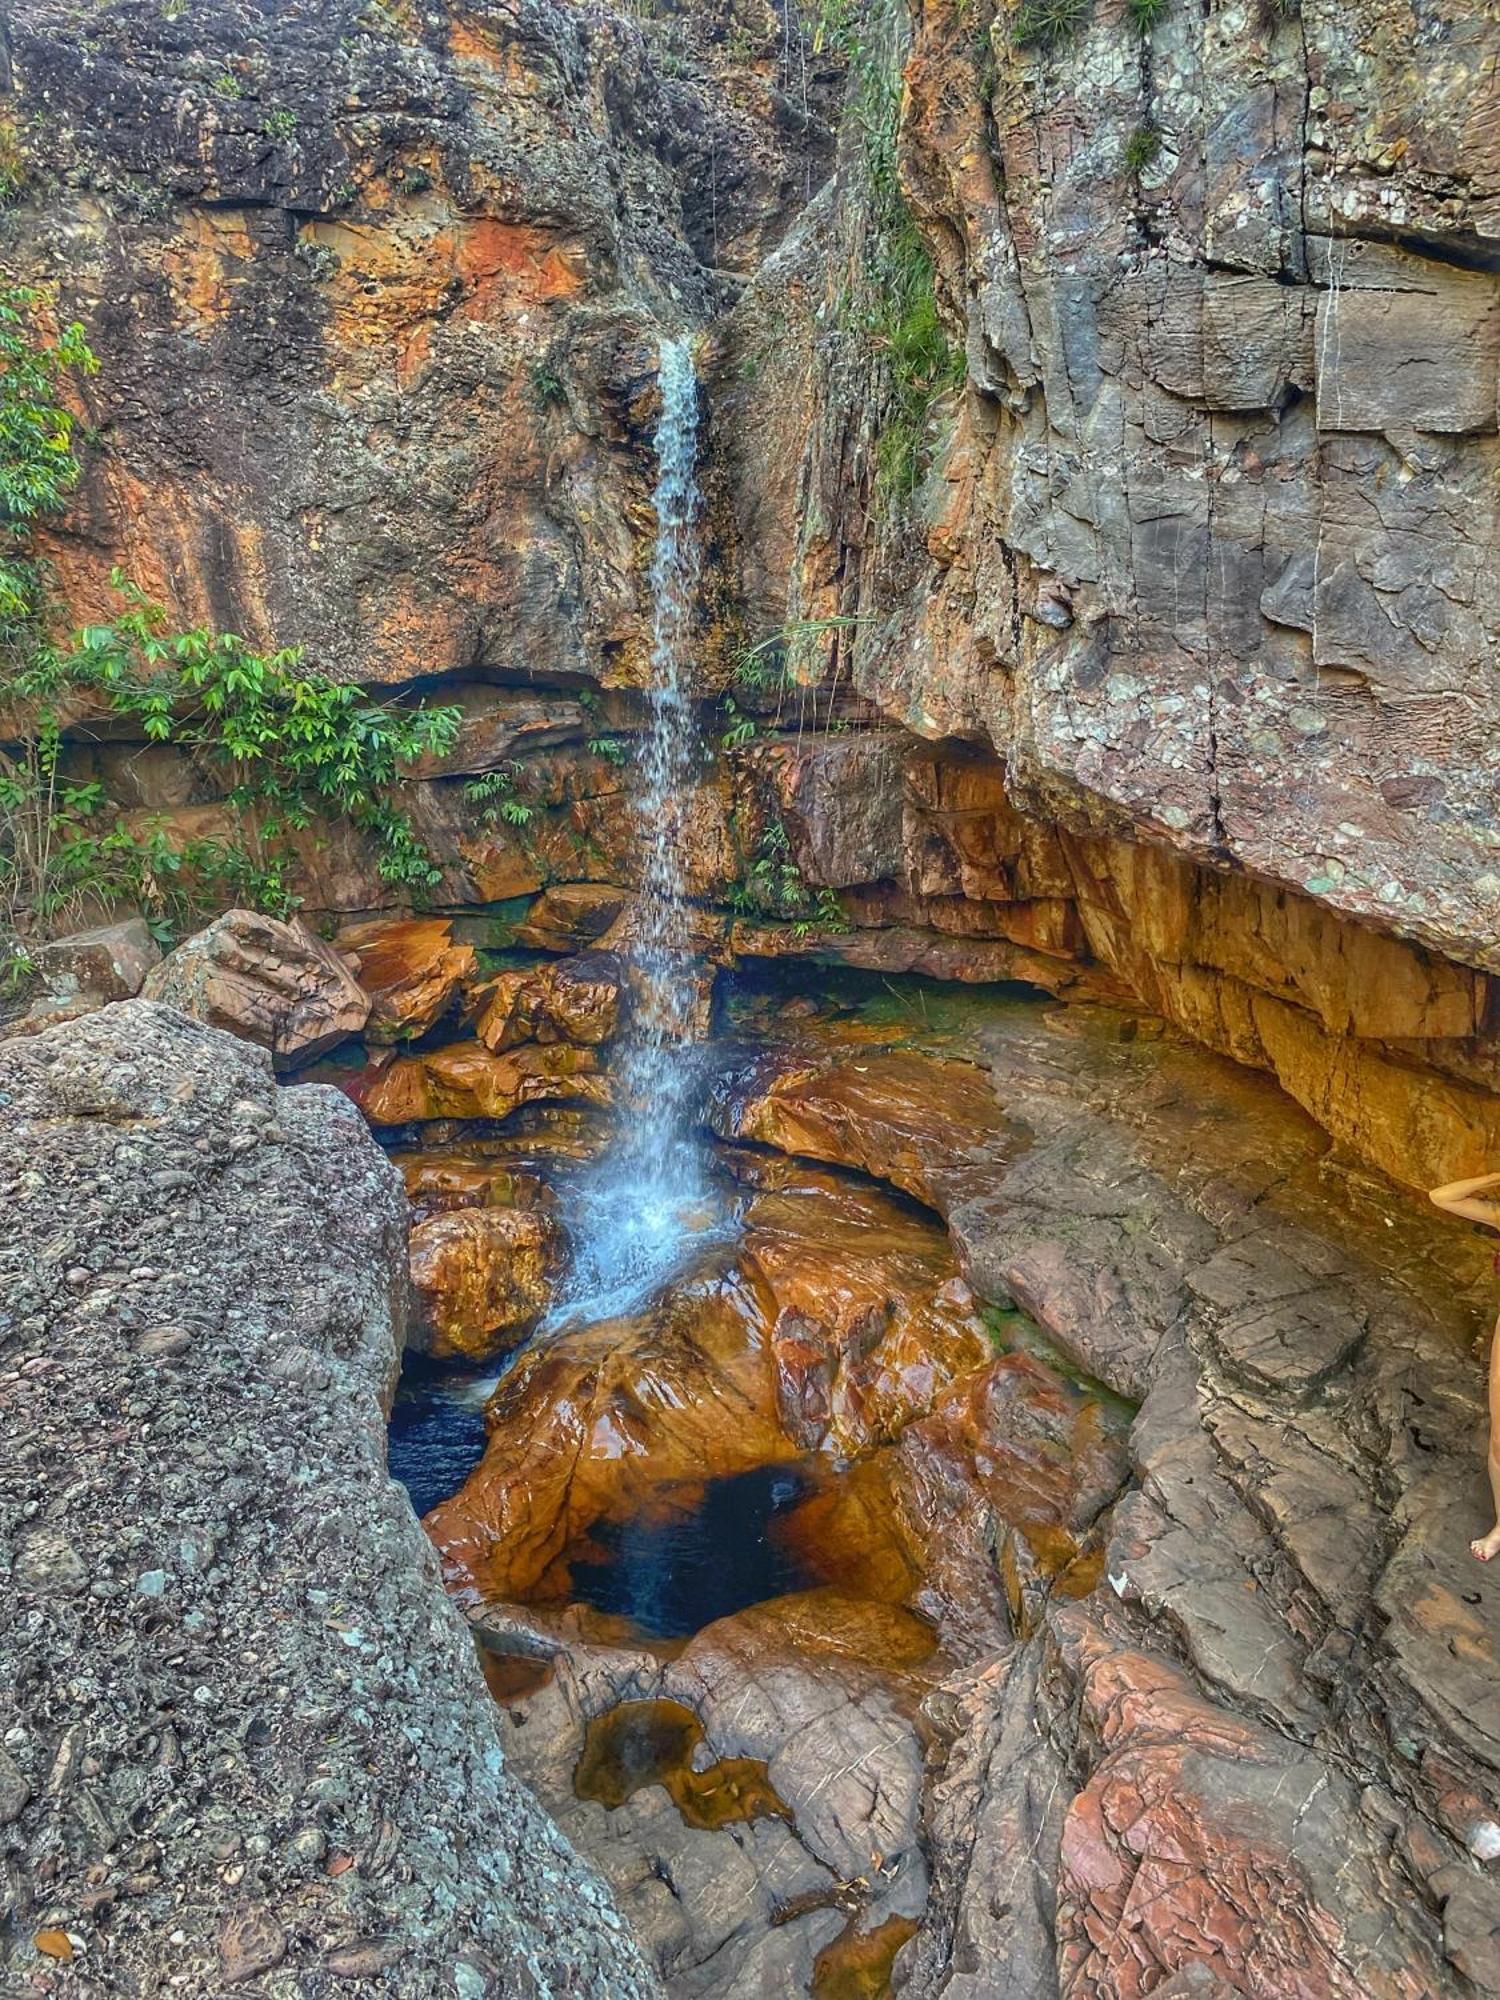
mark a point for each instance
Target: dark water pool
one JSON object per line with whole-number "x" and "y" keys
{"x": 697, "y": 1553}
{"x": 436, "y": 1438}
{"x": 675, "y": 1569}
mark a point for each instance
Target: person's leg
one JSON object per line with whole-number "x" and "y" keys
{"x": 1486, "y": 1546}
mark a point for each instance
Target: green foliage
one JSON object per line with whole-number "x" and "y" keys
{"x": 739, "y": 728}
{"x": 765, "y": 666}
{"x": 227, "y": 84}
{"x": 614, "y": 748}
{"x": 547, "y": 389}
{"x": 494, "y": 794}
{"x": 1141, "y": 148}
{"x": 1047, "y": 24}
{"x": 291, "y": 748}
{"x": 37, "y": 466}
{"x": 924, "y": 365}
{"x": 758, "y": 671}
{"x": 835, "y": 26}
{"x": 280, "y": 123}
{"x": 1146, "y": 13}
{"x": 12, "y": 161}
{"x": 773, "y": 891}
{"x": 894, "y": 303}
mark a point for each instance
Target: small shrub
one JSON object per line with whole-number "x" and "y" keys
{"x": 320, "y": 259}
{"x": 1141, "y": 148}
{"x": 613, "y": 749}
{"x": 1047, "y": 24}
{"x": 12, "y": 161}
{"x": 740, "y": 728}
{"x": 280, "y": 123}
{"x": 227, "y": 84}
{"x": 1146, "y": 13}
{"x": 547, "y": 391}
{"x": 494, "y": 794}
{"x": 293, "y": 748}
{"x": 772, "y": 890}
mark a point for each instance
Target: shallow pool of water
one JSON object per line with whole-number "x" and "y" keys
{"x": 676, "y": 1568}
{"x": 436, "y": 1434}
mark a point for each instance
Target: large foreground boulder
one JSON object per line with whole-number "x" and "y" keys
{"x": 268, "y": 982}
{"x": 244, "y": 1743}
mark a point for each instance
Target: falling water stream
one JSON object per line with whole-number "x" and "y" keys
{"x": 634, "y": 1211}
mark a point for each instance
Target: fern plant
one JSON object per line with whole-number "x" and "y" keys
{"x": 740, "y": 729}
{"x": 494, "y": 794}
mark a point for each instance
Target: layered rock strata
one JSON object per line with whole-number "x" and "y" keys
{"x": 1197, "y": 563}
{"x": 247, "y": 1746}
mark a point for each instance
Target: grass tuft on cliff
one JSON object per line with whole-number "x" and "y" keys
{"x": 1047, "y": 24}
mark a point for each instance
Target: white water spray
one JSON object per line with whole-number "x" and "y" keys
{"x": 644, "y": 1197}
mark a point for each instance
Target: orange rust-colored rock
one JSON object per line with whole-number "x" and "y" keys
{"x": 438, "y": 1182}
{"x": 1388, "y": 1046}
{"x": 1012, "y": 1458}
{"x": 467, "y": 1080}
{"x": 906, "y": 1118}
{"x": 570, "y": 916}
{"x": 859, "y": 1337}
{"x": 588, "y": 1426}
{"x": 577, "y": 1000}
{"x": 412, "y": 971}
{"x": 481, "y": 1279}
{"x": 627, "y": 1413}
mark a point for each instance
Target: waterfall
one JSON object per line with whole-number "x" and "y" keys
{"x": 646, "y": 1195}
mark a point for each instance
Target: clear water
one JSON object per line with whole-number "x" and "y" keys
{"x": 436, "y": 1435}
{"x": 646, "y": 1199}
{"x": 673, "y": 1572}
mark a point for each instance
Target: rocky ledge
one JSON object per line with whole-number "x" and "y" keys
{"x": 244, "y": 1743}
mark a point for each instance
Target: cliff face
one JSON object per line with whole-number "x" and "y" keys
{"x": 1204, "y": 552}
{"x": 375, "y": 291}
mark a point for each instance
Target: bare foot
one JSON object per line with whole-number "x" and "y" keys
{"x": 1486, "y": 1546}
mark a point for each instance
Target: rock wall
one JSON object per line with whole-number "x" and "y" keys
{"x": 247, "y": 1744}
{"x": 375, "y": 291}
{"x": 1205, "y": 550}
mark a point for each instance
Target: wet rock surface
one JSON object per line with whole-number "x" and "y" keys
{"x": 413, "y": 972}
{"x": 246, "y": 1747}
{"x": 481, "y": 1278}
{"x": 1199, "y": 1699}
